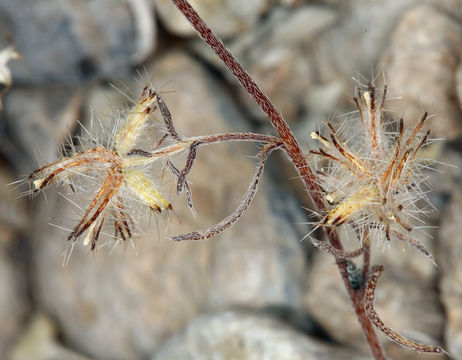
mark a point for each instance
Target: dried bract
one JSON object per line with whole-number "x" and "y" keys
{"x": 120, "y": 167}
{"x": 370, "y": 175}
{"x": 120, "y": 173}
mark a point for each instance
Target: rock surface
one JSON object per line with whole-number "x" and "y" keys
{"x": 14, "y": 303}
{"x": 124, "y": 305}
{"x": 278, "y": 55}
{"x": 38, "y": 342}
{"x": 226, "y": 18}
{"x": 451, "y": 287}
{"x": 79, "y": 40}
{"x": 246, "y": 336}
{"x": 304, "y": 54}
{"x": 422, "y": 63}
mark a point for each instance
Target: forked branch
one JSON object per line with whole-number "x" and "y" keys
{"x": 291, "y": 145}
{"x": 337, "y": 253}
{"x": 243, "y": 206}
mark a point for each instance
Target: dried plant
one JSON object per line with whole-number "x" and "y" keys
{"x": 371, "y": 182}
{"x": 119, "y": 168}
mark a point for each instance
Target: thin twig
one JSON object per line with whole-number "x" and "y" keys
{"x": 167, "y": 118}
{"x": 369, "y": 305}
{"x": 417, "y": 245}
{"x": 337, "y": 253}
{"x": 187, "y": 167}
{"x": 236, "y": 215}
{"x": 186, "y": 187}
{"x": 291, "y": 145}
{"x": 292, "y": 150}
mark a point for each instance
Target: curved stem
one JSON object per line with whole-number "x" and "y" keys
{"x": 357, "y": 298}
{"x": 290, "y": 143}
{"x": 292, "y": 150}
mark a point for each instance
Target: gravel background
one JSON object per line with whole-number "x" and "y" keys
{"x": 256, "y": 292}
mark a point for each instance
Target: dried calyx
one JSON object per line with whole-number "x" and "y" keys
{"x": 121, "y": 171}
{"x": 373, "y": 181}
{"x": 117, "y": 173}
{"x": 371, "y": 176}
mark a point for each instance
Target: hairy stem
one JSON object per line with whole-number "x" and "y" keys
{"x": 357, "y": 298}
{"x": 291, "y": 145}
{"x": 292, "y": 149}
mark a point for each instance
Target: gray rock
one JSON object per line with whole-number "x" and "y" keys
{"x": 364, "y": 32}
{"x": 451, "y": 6}
{"x": 246, "y": 336}
{"x": 226, "y": 18}
{"x": 39, "y": 121}
{"x": 124, "y": 305}
{"x": 450, "y": 250}
{"x": 277, "y": 54}
{"x": 421, "y": 64}
{"x": 406, "y": 299}
{"x": 7, "y": 53}
{"x": 39, "y": 342}
{"x": 14, "y": 302}
{"x": 79, "y": 40}
{"x": 353, "y": 47}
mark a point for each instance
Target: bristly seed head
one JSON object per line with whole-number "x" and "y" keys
{"x": 119, "y": 170}
{"x": 370, "y": 175}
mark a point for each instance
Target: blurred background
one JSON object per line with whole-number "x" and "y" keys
{"x": 257, "y": 291}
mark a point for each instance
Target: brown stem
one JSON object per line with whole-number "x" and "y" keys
{"x": 207, "y": 140}
{"x": 357, "y": 299}
{"x": 212, "y": 139}
{"x": 367, "y": 327}
{"x": 290, "y": 143}
{"x": 366, "y": 260}
{"x": 291, "y": 148}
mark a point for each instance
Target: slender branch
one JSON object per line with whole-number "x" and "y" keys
{"x": 366, "y": 241}
{"x": 417, "y": 245}
{"x": 357, "y": 299}
{"x": 205, "y": 140}
{"x": 167, "y": 118}
{"x": 291, "y": 145}
{"x": 292, "y": 150}
{"x": 186, "y": 187}
{"x": 337, "y": 253}
{"x": 243, "y": 206}
{"x": 139, "y": 156}
{"x": 212, "y": 139}
{"x": 187, "y": 168}
{"x": 367, "y": 327}
{"x": 366, "y": 260}
{"x": 369, "y": 307}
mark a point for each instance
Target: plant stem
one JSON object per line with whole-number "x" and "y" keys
{"x": 290, "y": 143}
{"x": 292, "y": 149}
{"x": 357, "y": 299}
{"x": 212, "y": 139}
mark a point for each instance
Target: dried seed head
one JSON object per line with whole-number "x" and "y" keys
{"x": 115, "y": 172}
{"x": 370, "y": 174}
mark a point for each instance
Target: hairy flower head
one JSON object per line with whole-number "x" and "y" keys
{"x": 370, "y": 174}
{"x": 118, "y": 170}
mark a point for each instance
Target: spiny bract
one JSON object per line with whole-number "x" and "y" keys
{"x": 117, "y": 170}
{"x": 370, "y": 174}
